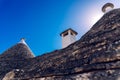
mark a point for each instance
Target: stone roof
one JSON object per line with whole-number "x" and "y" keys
{"x": 96, "y": 56}
{"x": 19, "y": 51}
{"x": 14, "y": 58}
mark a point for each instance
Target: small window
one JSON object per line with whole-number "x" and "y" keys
{"x": 65, "y": 34}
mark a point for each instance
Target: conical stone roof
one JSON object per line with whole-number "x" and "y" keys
{"x": 14, "y": 58}
{"x": 96, "y": 55}
{"x": 19, "y": 51}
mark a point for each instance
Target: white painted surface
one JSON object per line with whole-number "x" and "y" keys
{"x": 68, "y": 39}
{"x": 107, "y": 9}
{"x": 23, "y": 41}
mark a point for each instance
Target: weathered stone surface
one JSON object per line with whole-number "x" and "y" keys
{"x": 9, "y": 76}
{"x": 17, "y": 52}
{"x": 96, "y": 56}
{"x": 14, "y": 58}
{"x": 94, "y": 75}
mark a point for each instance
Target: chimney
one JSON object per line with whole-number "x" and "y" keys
{"x": 107, "y": 7}
{"x": 68, "y": 37}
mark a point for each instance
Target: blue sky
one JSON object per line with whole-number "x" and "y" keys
{"x": 41, "y": 21}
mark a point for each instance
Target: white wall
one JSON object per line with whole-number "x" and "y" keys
{"x": 68, "y": 39}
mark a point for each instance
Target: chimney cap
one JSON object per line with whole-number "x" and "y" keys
{"x": 68, "y": 30}
{"x": 107, "y": 5}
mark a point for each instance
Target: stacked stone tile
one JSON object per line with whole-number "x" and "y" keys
{"x": 14, "y": 58}
{"x": 96, "y": 56}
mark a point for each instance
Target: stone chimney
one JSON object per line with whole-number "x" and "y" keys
{"x": 68, "y": 37}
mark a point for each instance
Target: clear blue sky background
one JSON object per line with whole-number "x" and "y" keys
{"x": 41, "y": 21}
